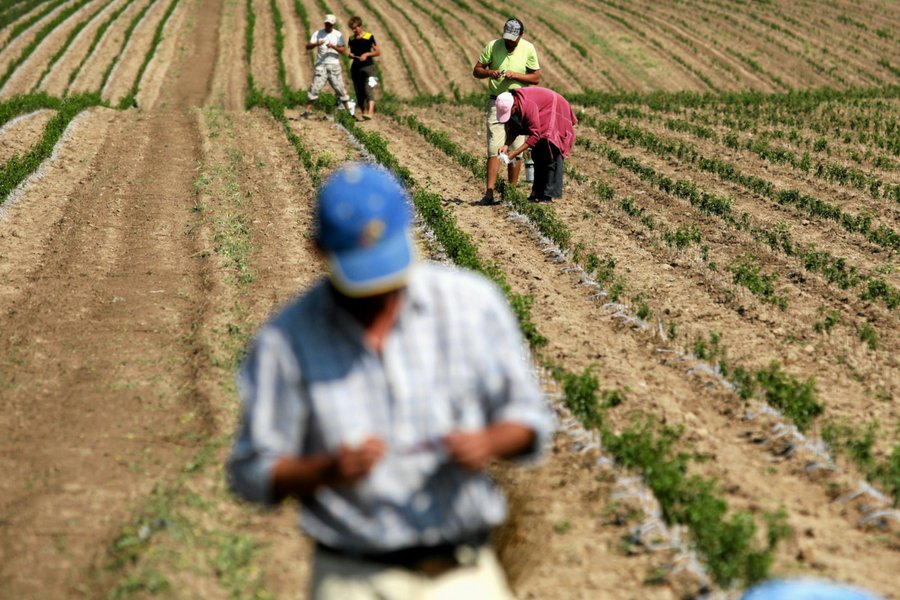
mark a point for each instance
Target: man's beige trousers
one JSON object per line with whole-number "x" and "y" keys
{"x": 340, "y": 578}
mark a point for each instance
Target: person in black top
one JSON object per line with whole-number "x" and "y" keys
{"x": 362, "y": 70}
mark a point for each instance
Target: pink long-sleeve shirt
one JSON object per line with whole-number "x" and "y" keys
{"x": 545, "y": 114}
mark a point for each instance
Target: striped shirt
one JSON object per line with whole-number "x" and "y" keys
{"x": 454, "y": 360}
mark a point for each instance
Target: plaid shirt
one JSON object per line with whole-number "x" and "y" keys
{"x": 454, "y": 360}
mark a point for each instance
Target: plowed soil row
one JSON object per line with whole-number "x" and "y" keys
{"x": 264, "y": 63}
{"x": 132, "y": 56}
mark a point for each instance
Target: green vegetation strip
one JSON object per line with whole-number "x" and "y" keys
{"x": 98, "y": 35}
{"x": 10, "y": 13}
{"x": 253, "y": 94}
{"x": 18, "y": 29}
{"x": 69, "y": 39}
{"x": 726, "y": 542}
{"x": 278, "y": 24}
{"x": 125, "y": 38}
{"x": 64, "y": 14}
{"x": 881, "y": 235}
{"x": 835, "y": 270}
{"x": 129, "y": 99}
{"x": 17, "y": 169}
{"x": 24, "y": 104}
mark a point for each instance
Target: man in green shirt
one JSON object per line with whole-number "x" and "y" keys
{"x": 507, "y": 63}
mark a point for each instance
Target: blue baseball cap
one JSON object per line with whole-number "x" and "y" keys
{"x": 806, "y": 589}
{"x": 363, "y": 228}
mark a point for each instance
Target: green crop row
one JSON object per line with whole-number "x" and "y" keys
{"x": 18, "y": 168}
{"x": 278, "y": 23}
{"x": 69, "y": 39}
{"x": 24, "y": 25}
{"x": 64, "y": 14}
{"x": 125, "y": 38}
{"x": 9, "y": 13}
{"x": 98, "y": 35}
{"x": 881, "y": 235}
{"x": 829, "y": 171}
{"x": 726, "y": 543}
{"x": 834, "y": 269}
{"x": 129, "y": 99}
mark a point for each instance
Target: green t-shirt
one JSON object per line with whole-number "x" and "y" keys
{"x": 495, "y": 56}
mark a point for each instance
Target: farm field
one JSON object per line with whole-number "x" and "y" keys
{"x": 712, "y": 308}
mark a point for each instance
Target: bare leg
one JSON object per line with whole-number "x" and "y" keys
{"x": 513, "y": 170}
{"x": 493, "y": 166}
{"x": 371, "y": 108}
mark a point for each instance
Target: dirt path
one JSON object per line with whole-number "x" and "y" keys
{"x": 264, "y": 65}
{"x": 296, "y": 56}
{"x": 108, "y": 374}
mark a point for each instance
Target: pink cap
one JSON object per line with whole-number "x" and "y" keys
{"x": 504, "y": 107}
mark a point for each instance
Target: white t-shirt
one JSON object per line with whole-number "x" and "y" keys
{"x": 324, "y": 54}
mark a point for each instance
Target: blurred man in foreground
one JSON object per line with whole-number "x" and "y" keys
{"x": 378, "y": 398}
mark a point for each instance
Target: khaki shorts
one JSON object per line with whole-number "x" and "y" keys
{"x": 342, "y": 578}
{"x": 496, "y": 132}
{"x": 333, "y": 75}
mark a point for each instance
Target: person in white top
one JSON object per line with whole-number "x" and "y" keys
{"x": 329, "y": 44}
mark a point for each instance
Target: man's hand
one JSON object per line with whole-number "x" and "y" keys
{"x": 472, "y": 450}
{"x": 503, "y": 149}
{"x": 355, "y": 462}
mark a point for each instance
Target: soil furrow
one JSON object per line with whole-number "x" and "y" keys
{"x": 264, "y": 66}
